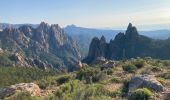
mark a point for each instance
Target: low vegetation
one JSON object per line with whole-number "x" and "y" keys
{"x": 89, "y": 82}
{"x": 14, "y": 75}
{"x": 129, "y": 68}
{"x": 141, "y": 94}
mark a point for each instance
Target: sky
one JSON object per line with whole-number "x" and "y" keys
{"x": 114, "y": 14}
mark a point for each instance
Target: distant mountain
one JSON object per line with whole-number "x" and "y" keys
{"x": 7, "y": 25}
{"x": 85, "y": 35}
{"x": 156, "y": 34}
{"x": 43, "y": 46}
{"x": 128, "y": 45}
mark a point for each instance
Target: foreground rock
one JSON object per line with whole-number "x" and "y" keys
{"x": 32, "y": 88}
{"x": 146, "y": 81}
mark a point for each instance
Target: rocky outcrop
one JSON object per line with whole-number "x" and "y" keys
{"x": 31, "y": 88}
{"x": 46, "y": 43}
{"x": 128, "y": 45}
{"x": 123, "y": 46}
{"x": 1, "y": 51}
{"x": 145, "y": 81}
{"x": 98, "y": 48}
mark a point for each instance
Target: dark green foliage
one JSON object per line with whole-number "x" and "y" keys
{"x": 63, "y": 79}
{"x": 109, "y": 71}
{"x": 139, "y": 63}
{"x": 5, "y": 61}
{"x": 43, "y": 84}
{"x": 76, "y": 90}
{"x": 90, "y": 74}
{"x": 129, "y": 68}
{"x": 141, "y": 94}
{"x": 166, "y": 75}
{"x": 116, "y": 80}
{"x": 20, "y": 96}
{"x": 13, "y": 75}
{"x": 125, "y": 86}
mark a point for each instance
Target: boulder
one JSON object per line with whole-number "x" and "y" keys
{"x": 31, "y": 88}
{"x": 79, "y": 65}
{"x": 145, "y": 81}
{"x": 1, "y": 51}
{"x": 99, "y": 60}
{"x": 109, "y": 64}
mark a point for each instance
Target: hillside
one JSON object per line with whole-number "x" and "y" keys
{"x": 135, "y": 79}
{"x": 46, "y": 46}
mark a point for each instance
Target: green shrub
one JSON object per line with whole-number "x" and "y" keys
{"x": 161, "y": 80}
{"x": 20, "y": 96}
{"x": 14, "y": 75}
{"x": 141, "y": 94}
{"x": 156, "y": 68}
{"x": 5, "y": 61}
{"x": 76, "y": 90}
{"x": 43, "y": 84}
{"x": 139, "y": 63}
{"x": 109, "y": 71}
{"x": 116, "y": 79}
{"x": 63, "y": 79}
{"x": 125, "y": 86}
{"x": 129, "y": 68}
{"x": 166, "y": 63}
{"x": 90, "y": 74}
{"x": 166, "y": 75}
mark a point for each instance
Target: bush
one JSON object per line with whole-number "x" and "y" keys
{"x": 14, "y": 75}
{"x": 161, "y": 80}
{"x": 166, "y": 75}
{"x": 166, "y": 63}
{"x": 90, "y": 74}
{"x": 109, "y": 71}
{"x": 116, "y": 79}
{"x": 129, "y": 68}
{"x": 139, "y": 63}
{"x": 63, "y": 79}
{"x": 76, "y": 90}
{"x": 141, "y": 94}
{"x": 20, "y": 96}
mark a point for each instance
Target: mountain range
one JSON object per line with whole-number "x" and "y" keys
{"x": 43, "y": 46}
{"x": 85, "y": 35}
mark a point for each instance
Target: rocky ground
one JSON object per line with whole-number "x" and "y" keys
{"x": 122, "y": 80}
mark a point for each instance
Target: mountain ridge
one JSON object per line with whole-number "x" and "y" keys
{"x": 128, "y": 45}
{"x": 46, "y": 43}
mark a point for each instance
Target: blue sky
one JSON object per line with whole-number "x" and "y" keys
{"x": 145, "y": 14}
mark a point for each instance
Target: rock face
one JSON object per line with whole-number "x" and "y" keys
{"x": 145, "y": 81}
{"x": 1, "y": 51}
{"x": 122, "y": 46}
{"x": 47, "y": 43}
{"x": 126, "y": 46}
{"x": 32, "y": 88}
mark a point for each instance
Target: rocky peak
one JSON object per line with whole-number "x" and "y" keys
{"x": 103, "y": 39}
{"x": 43, "y": 25}
{"x": 57, "y": 34}
{"x": 27, "y": 30}
{"x": 46, "y": 39}
{"x": 119, "y": 36}
{"x": 93, "y": 47}
{"x": 131, "y": 32}
{"x": 123, "y": 45}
